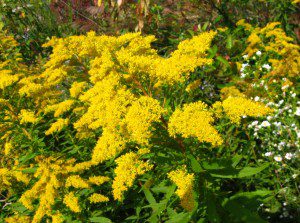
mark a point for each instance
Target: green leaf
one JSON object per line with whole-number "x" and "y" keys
{"x": 195, "y": 164}
{"x": 252, "y": 194}
{"x": 229, "y": 42}
{"x": 223, "y": 61}
{"x": 212, "y": 213}
{"x": 231, "y": 172}
{"x": 252, "y": 199}
{"x": 212, "y": 51}
{"x": 201, "y": 220}
{"x": 240, "y": 213}
{"x": 100, "y": 219}
{"x": 30, "y": 170}
{"x": 236, "y": 159}
{"x": 149, "y": 196}
{"x": 249, "y": 171}
{"x": 180, "y": 218}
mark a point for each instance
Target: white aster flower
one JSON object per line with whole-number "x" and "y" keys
{"x": 297, "y": 111}
{"x": 256, "y": 98}
{"x": 288, "y": 156}
{"x": 265, "y": 124}
{"x": 266, "y": 66}
{"x": 258, "y": 53}
{"x": 278, "y": 158}
{"x": 243, "y": 75}
{"x": 268, "y": 154}
{"x": 245, "y": 57}
{"x": 244, "y": 65}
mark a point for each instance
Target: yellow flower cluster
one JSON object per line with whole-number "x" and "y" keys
{"x": 18, "y": 218}
{"x": 139, "y": 117}
{"x": 8, "y": 175}
{"x": 184, "y": 181}
{"x": 274, "y": 40}
{"x": 194, "y": 120}
{"x": 192, "y": 86}
{"x": 71, "y": 201}
{"x": 52, "y": 175}
{"x": 57, "y": 126}
{"x": 7, "y": 79}
{"x": 107, "y": 147}
{"x": 237, "y": 107}
{"x": 27, "y": 116}
{"x": 57, "y": 218}
{"x": 7, "y": 148}
{"x": 98, "y": 198}
{"x": 77, "y": 88}
{"x": 98, "y": 180}
{"x": 129, "y": 166}
{"x": 76, "y": 181}
{"x": 60, "y": 108}
{"x": 231, "y": 91}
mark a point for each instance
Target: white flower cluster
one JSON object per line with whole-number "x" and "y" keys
{"x": 245, "y": 69}
{"x": 279, "y": 137}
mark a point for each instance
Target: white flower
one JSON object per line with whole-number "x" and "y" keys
{"x": 293, "y": 95}
{"x": 265, "y": 124}
{"x": 243, "y": 75}
{"x": 254, "y": 123}
{"x": 269, "y": 118}
{"x": 245, "y": 57}
{"x": 244, "y": 65}
{"x": 282, "y": 144}
{"x": 277, "y": 124}
{"x": 281, "y": 102}
{"x": 297, "y": 111}
{"x": 256, "y": 98}
{"x": 266, "y": 66}
{"x": 288, "y": 156}
{"x": 268, "y": 154}
{"x": 258, "y": 53}
{"x": 278, "y": 158}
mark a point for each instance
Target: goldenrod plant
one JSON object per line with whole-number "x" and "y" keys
{"x": 108, "y": 130}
